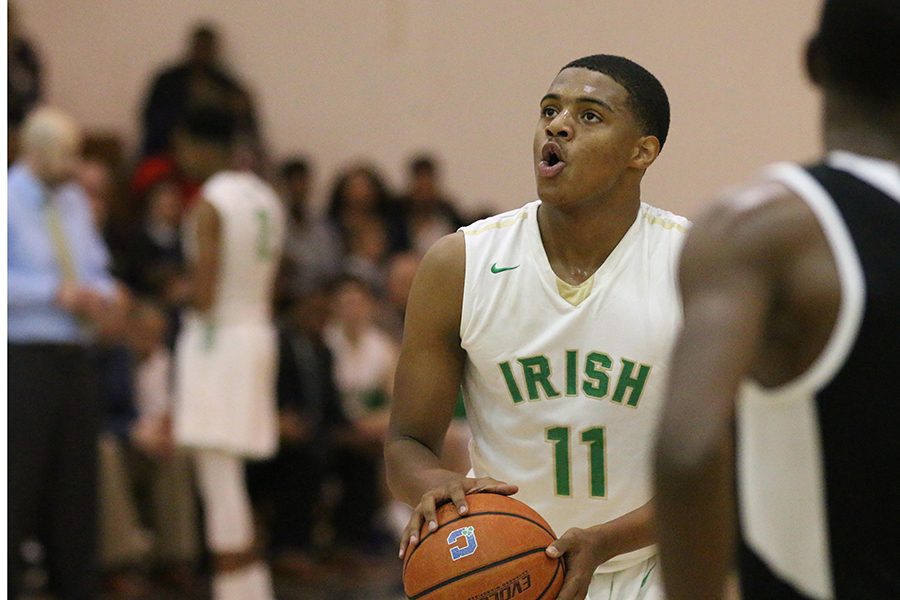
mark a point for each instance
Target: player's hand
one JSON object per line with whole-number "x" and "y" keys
{"x": 583, "y": 551}
{"x": 455, "y": 491}
{"x": 153, "y": 437}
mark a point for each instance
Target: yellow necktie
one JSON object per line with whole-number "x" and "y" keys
{"x": 60, "y": 244}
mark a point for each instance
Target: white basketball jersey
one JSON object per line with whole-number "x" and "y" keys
{"x": 564, "y": 384}
{"x": 227, "y": 359}
{"x": 252, "y": 235}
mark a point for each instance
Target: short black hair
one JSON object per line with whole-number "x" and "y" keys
{"x": 204, "y": 32}
{"x": 423, "y": 164}
{"x": 858, "y": 43}
{"x": 210, "y": 124}
{"x": 294, "y": 167}
{"x": 647, "y": 97}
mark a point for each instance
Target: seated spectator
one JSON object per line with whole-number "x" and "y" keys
{"x": 360, "y": 195}
{"x": 138, "y": 461}
{"x": 364, "y": 355}
{"x": 401, "y": 271}
{"x": 312, "y": 251}
{"x": 100, "y": 184}
{"x": 364, "y": 361}
{"x": 157, "y": 262}
{"x": 367, "y": 250}
{"x": 287, "y": 488}
{"x": 428, "y": 214}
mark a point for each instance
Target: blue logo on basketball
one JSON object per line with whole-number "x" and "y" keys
{"x": 457, "y": 552}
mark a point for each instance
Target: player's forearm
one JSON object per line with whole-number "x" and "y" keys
{"x": 412, "y": 468}
{"x": 631, "y": 531}
{"x": 695, "y": 520}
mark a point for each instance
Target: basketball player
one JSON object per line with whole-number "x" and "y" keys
{"x": 792, "y": 306}
{"x": 557, "y": 319}
{"x": 226, "y": 353}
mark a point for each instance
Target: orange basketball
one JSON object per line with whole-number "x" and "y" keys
{"x": 494, "y": 552}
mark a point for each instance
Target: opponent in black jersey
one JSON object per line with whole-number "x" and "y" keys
{"x": 792, "y": 338}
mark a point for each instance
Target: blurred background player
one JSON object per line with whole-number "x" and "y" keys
{"x": 557, "y": 320}
{"x": 226, "y": 355}
{"x": 791, "y": 290}
{"x": 60, "y": 292}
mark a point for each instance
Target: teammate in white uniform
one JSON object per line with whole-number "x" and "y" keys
{"x": 557, "y": 320}
{"x": 792, "y": 338}
{"x": 226, "y": 353}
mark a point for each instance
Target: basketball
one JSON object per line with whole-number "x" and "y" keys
{"x": 495, "y": 551}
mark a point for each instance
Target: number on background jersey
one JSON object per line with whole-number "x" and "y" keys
{"x": 562, "y": 464}
{"x": 263, "y": 235}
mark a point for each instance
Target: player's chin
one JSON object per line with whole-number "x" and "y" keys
{"x": 553, "y": 192}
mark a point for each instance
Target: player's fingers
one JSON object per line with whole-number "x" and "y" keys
{"x": 488, "y": 484}
{"x": 570, "y": 588}
{"x": 458, "y": 497}
{"x": 429, "y": 511}
{"x": 561, "y": 546}
{"x": 410, "y": 535}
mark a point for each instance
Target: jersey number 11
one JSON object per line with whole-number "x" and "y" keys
{"x": 594, "y": 439}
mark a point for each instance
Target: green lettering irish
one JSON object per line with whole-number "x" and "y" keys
{"x": 631, "y": 384}
{"x": 537, "y": 372}
{"x": 596, "y": 384}
{"x": 511, "y": 383}
{"x": 571, "y": 372}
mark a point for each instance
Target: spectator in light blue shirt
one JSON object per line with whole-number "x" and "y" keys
{"x": 59, "y": 290}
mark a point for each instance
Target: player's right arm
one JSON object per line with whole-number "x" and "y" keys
{"x": 427, "y": 382}
{"x": 206, "y": 263}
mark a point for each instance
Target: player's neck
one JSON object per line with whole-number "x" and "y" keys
{"x": 847, "y": 129}
{"x": 578, "y": 239}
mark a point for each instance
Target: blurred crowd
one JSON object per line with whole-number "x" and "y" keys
{"x": 346, "y": 272}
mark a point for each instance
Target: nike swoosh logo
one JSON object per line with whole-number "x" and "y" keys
{"x": 496, "y": 269}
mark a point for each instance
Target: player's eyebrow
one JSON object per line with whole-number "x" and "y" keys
{"x": 580, "y": 99}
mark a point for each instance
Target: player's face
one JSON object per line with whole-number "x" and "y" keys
{"x": 586, "y": 137}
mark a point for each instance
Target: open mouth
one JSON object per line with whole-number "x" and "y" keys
{"x": 552, "y": 158}
{"x": 552, "y": 162}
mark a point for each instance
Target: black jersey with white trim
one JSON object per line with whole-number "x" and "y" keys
{"x": 856, "y": 412}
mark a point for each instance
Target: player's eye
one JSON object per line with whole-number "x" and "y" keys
{"x": 591, "y": 117}
{"x": 548, "y": 112}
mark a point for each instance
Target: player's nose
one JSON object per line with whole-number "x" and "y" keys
{"x": 560, "y": 126}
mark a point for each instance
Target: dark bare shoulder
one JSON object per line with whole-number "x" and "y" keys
{"x": 448, "y": 254}
{"x": 767, "y": 239}
{"x": 759, "y": 227}
{"x": 437, "y": 290}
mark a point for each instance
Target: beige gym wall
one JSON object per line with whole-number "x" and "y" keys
{"x": 341, "y": 79}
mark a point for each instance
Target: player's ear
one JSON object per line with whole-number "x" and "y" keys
{"x": 645, "y": 151}
{"x": 815, "y": 67}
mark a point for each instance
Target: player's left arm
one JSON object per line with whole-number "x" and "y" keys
{"x": 205, "y": 272}
{"x": 728, "y": 278}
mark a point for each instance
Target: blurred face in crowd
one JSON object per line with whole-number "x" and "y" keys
{"x": 51, "y": 144}
{"x": 353, "y": 304}
{"x": 401, "y": 273}
{"x": 424, "y": 186}
{"x": 199, "y": 159}
{"x": 96, "y": 179}
{"x": 360, "y": 192}
{"x": 164, "y": 203}
{"x": 313, "y": 312}
{"x": 369, "y": 240}
{"x": 298, "y": 187}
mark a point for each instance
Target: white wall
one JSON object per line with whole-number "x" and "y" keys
{"x": 340, "y": 79}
